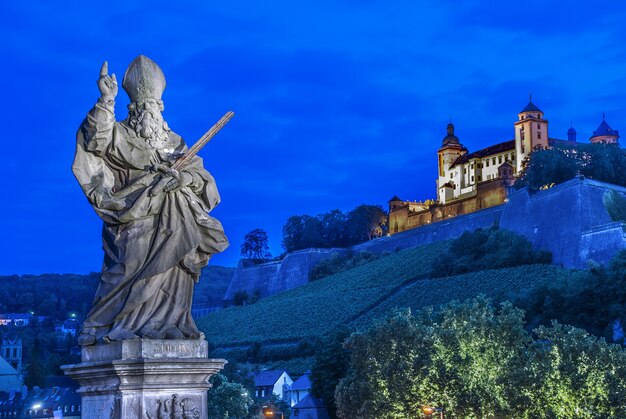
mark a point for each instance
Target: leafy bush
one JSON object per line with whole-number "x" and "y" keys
{"x": 476, "y": 360}
{"x": 340, "y": 263}
{"x": 487, "y": 248}
{"x": 603, "y": 162}
{"x": 593, "y": 300}
{"x": 615, "y": 204}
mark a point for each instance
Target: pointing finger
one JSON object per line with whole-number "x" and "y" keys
{"x": 104, "y": 70}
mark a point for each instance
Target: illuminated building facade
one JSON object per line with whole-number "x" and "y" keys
{"x": 467, "y": 182}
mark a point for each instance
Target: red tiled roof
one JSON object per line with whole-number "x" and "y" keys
{"x": 488, "y": 151}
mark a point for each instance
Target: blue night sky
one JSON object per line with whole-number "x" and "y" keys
{"x": 337, "y": 103}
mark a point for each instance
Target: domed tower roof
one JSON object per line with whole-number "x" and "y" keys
{"x": 531, "y": 111}
{"x": 450, "y": 139}
{"x": 571, "y": 134}
{"x": 604, "y": 133}
{"x": 531, "y": 107}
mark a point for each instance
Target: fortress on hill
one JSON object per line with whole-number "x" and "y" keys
{"x": 469, "y": 182}
{"x": 570, "y": 220}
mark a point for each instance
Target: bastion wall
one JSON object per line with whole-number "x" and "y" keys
{"x": 569, "y": 220}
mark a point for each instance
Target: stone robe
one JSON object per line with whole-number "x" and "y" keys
{"x": 155, "y": 246}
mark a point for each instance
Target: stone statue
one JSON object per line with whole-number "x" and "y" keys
{"x": 157, "y": 233}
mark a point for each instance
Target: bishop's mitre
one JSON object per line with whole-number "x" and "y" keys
{"x": 143, "y": 80}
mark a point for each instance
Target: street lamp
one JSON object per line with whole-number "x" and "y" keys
{"x": 269, "y": 412}
{"x": 429, "y": 411}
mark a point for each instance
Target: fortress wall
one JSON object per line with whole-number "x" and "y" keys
{"x": 251, "y": 279}
{"x": 295, "y": 267}
{"x": 569, "y": 220}
{"x": 442, "y": 230}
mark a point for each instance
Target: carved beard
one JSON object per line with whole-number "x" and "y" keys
{"x": 149, "y": 125}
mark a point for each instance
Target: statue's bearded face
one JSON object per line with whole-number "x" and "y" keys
{"x": 147, "y": 121}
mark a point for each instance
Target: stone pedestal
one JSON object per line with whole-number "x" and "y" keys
{"x": 145, "y": 379}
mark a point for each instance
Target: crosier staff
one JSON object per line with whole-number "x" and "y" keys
{"x": 163, "y": 183}
{"x": 181, "y": 162}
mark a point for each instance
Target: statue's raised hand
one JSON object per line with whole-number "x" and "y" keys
{"x": 107, "y": 84}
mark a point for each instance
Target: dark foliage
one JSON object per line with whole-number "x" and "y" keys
{"x": 331, "y": 363}
{"x": 594, "y": 300}
{"x": 546, "y": 167}
{"x": 487, "y": 248}
{"x": 340, "y": 263}
{"x": 255, "y": 245}
{"x": 334, "y": 228}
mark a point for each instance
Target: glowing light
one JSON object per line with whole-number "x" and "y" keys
{"x": 36, "y": 406}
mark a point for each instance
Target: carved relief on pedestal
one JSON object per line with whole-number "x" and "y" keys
{"x": 175, "y": 408}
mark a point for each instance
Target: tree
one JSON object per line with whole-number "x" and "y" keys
{"x": 334, "y": 229}
{"x": 547, "y": 167}
{"x": 255, "y": 245}
{"x": 293, "y": 231}
{"x": 240, "y": 298}
{"x": 227, "y": 400}
{"x": 35, "y": 369}
{"x": 592, "y": 299}
{"x": 476, "y": 360}
{"x": 487, "y": 248}
{"x": 331, "y": 364}
{"x": 366, "y": 222}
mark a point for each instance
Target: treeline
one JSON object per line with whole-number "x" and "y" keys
{"x": 547, "y": 167}
{"x": 334, "y": 228}
{"x": 51, "y": 295}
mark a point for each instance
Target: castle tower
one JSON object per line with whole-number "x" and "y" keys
{"x": 571, "y": 134}
{"x": 451, "y": 149}
{"x": 604, "y": 134}
{"x": 531, "y": 131}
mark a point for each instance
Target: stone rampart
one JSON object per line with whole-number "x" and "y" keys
{"x": 277, "y": 276}
{"x": 569, "y": 220}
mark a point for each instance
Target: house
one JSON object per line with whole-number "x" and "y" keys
{"x": 70, "y": 327}
{"x": 270, "y": 382}
{"x": 15, "y": 319}
{"x": 310, "y": 408}
{"x": 301, "y": 388}
{"x": 11, "y": 351}
{"x": 41, "y": 403}
{"x": 10, "y": 378}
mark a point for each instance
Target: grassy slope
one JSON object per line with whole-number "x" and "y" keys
{"x": 312, "y": 309}
{"x": 360, "y": 295}
{"x": 497, "y": 284}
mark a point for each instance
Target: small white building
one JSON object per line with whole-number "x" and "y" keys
{"x": 10, "y": 378}
{"x": 270, "y": 382}
{"x": 301, "y": 388}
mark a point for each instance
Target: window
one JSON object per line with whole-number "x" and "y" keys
{"x": 14, "y": 352}
{"x": 539, "y": 135}
{"x": 538, "y": 125}
{"x": 480, "y": 178}
{"x": 472, "y": 178}
{"x": 499, "y": 159}
{"x": 487, "y": 162}
{"x": 493, "y": 160}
